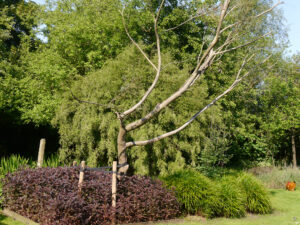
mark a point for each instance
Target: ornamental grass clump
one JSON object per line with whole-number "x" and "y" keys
{"x": 257, "y": 199}
{"x": 50, "y": 196}
{"x": 196, "y": 193}
{"x": 232, "y": 200}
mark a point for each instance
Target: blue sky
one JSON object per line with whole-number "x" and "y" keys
{"x": 291, "y": 10}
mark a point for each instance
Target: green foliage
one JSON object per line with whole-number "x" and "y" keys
{"x": 85, "y": 33}
{"x": 89, "y": 131}
{"x": 267, "y": 116}
{"x": 52, "y": 161}
{"x": 274, "y": 177}
{"x": 85, "y": 48}
{"x": 195, "y": 192}
{"x": 12, "y": 164}
{"x": 257, "y": 199}
{"x": 231, "y": 198}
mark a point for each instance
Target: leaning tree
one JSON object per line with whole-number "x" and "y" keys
{"x": 231, "y": 32}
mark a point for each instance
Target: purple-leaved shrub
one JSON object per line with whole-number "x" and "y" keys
{"x": 50, "y": 196}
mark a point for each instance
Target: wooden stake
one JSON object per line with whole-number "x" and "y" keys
{"x": 41, "y": 153}
{"x": 114, "y": 185}
{"x": 81, "y": 175}
{"x": 74, "y": 163}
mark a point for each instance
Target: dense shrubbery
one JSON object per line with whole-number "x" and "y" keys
{"x": 54, "y": 192}
{"x": 257, "y": 199}
{"x": 50, "y": 196}
{"x": 194, "y": 191}
{"x": 230, "y": 196}
{"x": 14, "y": 162}
{"x": 9, "y": 165}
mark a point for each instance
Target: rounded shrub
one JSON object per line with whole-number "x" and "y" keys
{"x": 257, "y": 199}
{"x": 195, "y": 192}
{"x": 232, "y": 200}
{"x": 51, "y": 196}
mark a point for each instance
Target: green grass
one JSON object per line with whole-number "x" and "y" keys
{"x": 286, "y": 212}
{"x": 8, "y": 221}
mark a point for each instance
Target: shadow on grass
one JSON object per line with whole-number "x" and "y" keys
{"x": 2, "y": 217}
{"x": 273, "y": 192}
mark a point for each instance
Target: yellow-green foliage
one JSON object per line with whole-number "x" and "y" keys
{"x": 232, "y": 199}
{"x": 229, "y": 196}
{"x": 258, "y": 200}
{"x": 12, "y": 164}
{"x": 194, "y": 191}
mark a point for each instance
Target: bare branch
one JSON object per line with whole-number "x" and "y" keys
{"x": 139, "y": 143}
{"x": 198, "y": 14}
{"x": 269, "y": 10}
{"x": 136, "y": 44}
{"x": 92, "y": 103}
{"x": 254, "y": 17}
{"x": 230, "y": 10}
{"x": 158, "y": 70}
{"x": 170, "y": 99}
{"x": 242, "y": 66}
{"x": 200, "y": 69}
{"x": 184, "y": 22}
{"x": 232, "y": 86}
{"x": 243, "y": 45}
{"x": 217, "y": 35}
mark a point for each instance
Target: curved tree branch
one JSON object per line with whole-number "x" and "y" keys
{"x": 232, "y": 86}
{"x": 200, "y": 69}
{"x": 254, "y": 17}
{"x": 158, "y": 69}
{"x": 134, "y": 42}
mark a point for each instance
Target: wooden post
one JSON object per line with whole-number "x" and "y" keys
{"x": 74, "y": 163}
{"x": 114, "y": 191}
{"x": 81, "y": 175}
{"x": 41, "y": 153}
{"x": 114, "y": 185}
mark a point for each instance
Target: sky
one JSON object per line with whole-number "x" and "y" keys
{"x": 291, "y": 10}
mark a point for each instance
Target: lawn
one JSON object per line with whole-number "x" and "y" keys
{"x": 286, "y": 212}
{"x": 8, "y": 221}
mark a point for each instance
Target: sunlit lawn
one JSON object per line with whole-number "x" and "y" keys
{"x": 8, "y": 221}
{"x": 286, "y": 212}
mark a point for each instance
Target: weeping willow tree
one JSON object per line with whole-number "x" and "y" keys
{"x": 153, "y": 91}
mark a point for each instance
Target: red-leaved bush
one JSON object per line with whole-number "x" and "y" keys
{"x": 50, "y": 196}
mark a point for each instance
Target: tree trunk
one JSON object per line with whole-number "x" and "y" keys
{"x": 294, "y": 150}
{"x": 122, "y": 157}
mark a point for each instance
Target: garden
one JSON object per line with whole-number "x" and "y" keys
{"x": 154, "y": 111}
{"x": 50, "y": 195}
